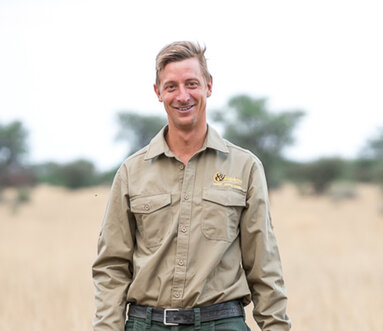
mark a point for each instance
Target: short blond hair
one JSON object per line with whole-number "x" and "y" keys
{"x": 178, "y": 51}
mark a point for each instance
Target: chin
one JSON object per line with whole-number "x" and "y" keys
{"x": 185, "y": 124}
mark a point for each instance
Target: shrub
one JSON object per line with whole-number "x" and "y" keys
{"x": 76, "y": 174}
{"x": 322, "y": 172}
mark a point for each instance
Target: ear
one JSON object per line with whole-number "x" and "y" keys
{"x": 157, "y": 91}
{"x": 210, "y": 86}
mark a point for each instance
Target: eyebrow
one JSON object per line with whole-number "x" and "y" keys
{"x": 192, "y": 79}
{"x": 170, "y": 82}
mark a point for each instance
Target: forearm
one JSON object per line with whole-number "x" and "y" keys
{"x": 269, "y": 297}
{"x": 261, "y": 259}
{"x": 265, "y": 279}
{"x": 111, "y": 283}
{"x": 113, "y": 270}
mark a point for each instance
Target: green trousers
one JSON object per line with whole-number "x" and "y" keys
{"x": 227, "y": 324}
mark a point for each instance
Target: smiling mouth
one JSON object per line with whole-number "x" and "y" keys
{"x": 184, "y": 108}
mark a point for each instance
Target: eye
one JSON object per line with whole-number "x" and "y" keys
{"x": 170, "y": 87}
{"x": 192, "y": 84}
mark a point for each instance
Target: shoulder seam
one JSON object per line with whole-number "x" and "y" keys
{"x": 246, "y": 151}
{"x": 137, "y": 154}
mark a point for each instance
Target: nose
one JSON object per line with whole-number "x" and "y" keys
{"x": 183, "y": 95}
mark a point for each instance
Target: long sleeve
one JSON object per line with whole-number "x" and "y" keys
{"x": 260, "y": 257}
{"x": 112, "y": 270}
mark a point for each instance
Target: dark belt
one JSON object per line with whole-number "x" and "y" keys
{"x": 187, "y": 316}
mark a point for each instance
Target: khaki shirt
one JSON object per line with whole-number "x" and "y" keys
{"x": 181, "y": 236}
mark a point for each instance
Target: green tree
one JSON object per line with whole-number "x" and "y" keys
{"x": 248, "y": 123}
{"x": 13, "y": 144}
{"x": 13, "y": 149}
{"x": 374, "y": 146}
{"x": 372, "y": 155}
{"x": 137, "y": 130}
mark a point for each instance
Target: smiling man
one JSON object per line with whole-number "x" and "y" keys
{"x": 187, "y": 239}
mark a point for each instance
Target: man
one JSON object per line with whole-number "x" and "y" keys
{"x": 187, "y": 238}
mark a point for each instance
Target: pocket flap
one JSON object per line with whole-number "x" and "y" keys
{"x": 225, "y": 197}
{"x": 149, "y": 204}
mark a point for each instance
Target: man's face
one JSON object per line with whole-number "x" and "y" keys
{"x": 183, "y": 90}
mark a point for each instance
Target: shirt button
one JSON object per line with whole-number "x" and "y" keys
{"x": 186, "y": 197}
{"x": 181, "y": 167}
{"x": 146, "y": 206}
{"x": 180, "y": 262}
{"x": 176, "y": 295}
{"x": 183, "y": 229}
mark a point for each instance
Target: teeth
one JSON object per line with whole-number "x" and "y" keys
{"x": 186, "y": 108}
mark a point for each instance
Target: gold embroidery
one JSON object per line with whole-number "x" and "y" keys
{"x": 222, "y": 180}
{"x": 218, "y": 177}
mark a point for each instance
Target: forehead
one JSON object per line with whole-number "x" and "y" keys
{"x": 181, "y": 70}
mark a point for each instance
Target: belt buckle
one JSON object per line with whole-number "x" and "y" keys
{"x": 165, "y": 312}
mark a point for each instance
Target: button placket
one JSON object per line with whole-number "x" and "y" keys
{"x": 187, "y": 187}
{"x": 181, "y": 167}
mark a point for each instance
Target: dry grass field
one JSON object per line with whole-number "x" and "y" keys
{"x": 332, "y": 254}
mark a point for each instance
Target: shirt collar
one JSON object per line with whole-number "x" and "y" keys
{"x": 158, "y": 144}
{"x": 215, "y": 141}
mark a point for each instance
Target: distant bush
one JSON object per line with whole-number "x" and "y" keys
{"x": 377, "y": 172}
{"x": 363, "y": 169}
{"x": 17, "y": 176}
{"x": 106, "y": 178}
{"x": 319, "y": 173}
{"x": 49, "y": 173}
{"x": 76, "y": 174}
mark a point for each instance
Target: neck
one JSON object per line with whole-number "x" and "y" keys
{"x": 185, "y": 143}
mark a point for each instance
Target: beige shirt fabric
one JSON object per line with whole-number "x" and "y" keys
{"x": 181, "y": 236}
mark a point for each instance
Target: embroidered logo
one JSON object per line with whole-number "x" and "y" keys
{"x": 223, "y": 180}
{"x": 218, "y": 177}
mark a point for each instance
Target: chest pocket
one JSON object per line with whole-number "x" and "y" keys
{"x": 221, "y": 213}
{"x": 153, "y": 216}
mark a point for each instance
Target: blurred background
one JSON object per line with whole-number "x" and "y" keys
{"x": 297, "y": 82}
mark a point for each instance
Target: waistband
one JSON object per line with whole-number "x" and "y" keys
{"x": 188, "y": 316}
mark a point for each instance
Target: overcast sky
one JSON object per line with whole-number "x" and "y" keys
{"x": 67, "y": 67}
